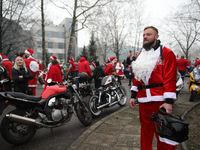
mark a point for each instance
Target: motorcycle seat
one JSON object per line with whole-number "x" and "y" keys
{"x": 23, "y": 96}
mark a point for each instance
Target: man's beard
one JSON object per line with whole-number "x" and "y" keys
{"x": 144, "y": 65}
{"x": 147, "y": 45}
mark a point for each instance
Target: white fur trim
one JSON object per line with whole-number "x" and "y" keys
{"x": 5, "y": 59}
{"x": 27, "y": 52}
{"x": 170, "y": 142}
{"x": 134, "y": 88}
{"x": 170, "y": 95}
{"x": 32, "y": 85}
{"x": 151, "y": 99}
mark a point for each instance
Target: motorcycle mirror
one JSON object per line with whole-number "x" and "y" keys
{"x": 49, "y": 80}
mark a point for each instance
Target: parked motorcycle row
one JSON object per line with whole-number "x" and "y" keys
{"x": 56, "y": 106}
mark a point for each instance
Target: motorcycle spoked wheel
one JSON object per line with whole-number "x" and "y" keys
{"x": 122, "y": 95}
{"x": 92, "y": 105}
{"x": 83, "y": 114}
{"x": 14, "y": 132}
{"x": 193, "y": 95}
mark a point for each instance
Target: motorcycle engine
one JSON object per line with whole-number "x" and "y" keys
{"x": 59, "y": 109}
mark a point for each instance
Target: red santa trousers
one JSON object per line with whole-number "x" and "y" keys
{"x": 148, "y": 128}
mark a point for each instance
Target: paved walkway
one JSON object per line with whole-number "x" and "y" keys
{"x": 121, "y": 130}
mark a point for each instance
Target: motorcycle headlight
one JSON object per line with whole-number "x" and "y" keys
{"x": 196, "y": 77}
{"x": 74, "y": 86}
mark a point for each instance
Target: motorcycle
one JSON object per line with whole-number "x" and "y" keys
{"x": 109, "y": 94}
{"x": 194, "y": 83}
{"x": 179, "y": 84}
{"x": 53, "y": 108}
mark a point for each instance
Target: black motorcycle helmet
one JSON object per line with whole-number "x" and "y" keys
{"x": 82, "y": 77}
{"x": 170, "y": 127}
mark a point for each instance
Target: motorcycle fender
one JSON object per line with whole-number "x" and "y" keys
{"x": 2, "y": 106}
{"x": 76, "y": 106}
{"x": 194, "y": 87}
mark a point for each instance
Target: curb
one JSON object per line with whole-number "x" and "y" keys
{"x": 183, "y": 145}
{"x": 82, "y": 137}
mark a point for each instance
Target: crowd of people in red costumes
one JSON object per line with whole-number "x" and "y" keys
{"x": 26, "y": 70}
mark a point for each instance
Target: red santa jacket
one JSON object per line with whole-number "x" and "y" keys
{"x": 73, "y": 68}
{"x": 83, "y": 66}
{"x": 33, "y": 66}
{"x": 182, "y": 64}
{"x": 197, "y": 62}
{"x": 55, "y": 74}
{"x": 165, "y": 74}
{"x": 8, "y": 64}
{"x": 108, "y": 70}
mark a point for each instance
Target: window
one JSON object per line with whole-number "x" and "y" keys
{"x": 39, "y": 33}
{"x": 50, "y": 44}
{"x": 50, "y": 33}
{"x": 60, "y": 34}
{"x": 70, "y": 26}
{"x": 39, "y": 44}
{"x": 60, "y": 56}
{"x": 60, "y": 45}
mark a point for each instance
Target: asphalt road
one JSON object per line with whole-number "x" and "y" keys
{"x": 58, "y": 138}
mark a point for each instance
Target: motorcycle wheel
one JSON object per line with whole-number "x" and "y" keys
{"x": 41, "y": 81}
{"x": 83, "y": 114}
{"x": 193, "y": 95}
{"x": 14, "y": 132}
{"x": 122, "y": 95}
{"x": 92, "y": 105}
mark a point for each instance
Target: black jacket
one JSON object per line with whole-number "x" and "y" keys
{"x": 21, "y": 83}
{"x": 98, "y": 72}
{"x": 4, "y": 75}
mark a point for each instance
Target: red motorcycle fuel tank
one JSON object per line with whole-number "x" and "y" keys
{"x": 53, "y": 90}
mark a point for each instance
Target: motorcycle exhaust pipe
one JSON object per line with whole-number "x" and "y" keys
{"x": 24, "y": 120}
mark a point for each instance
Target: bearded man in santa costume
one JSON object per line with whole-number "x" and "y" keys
{"x": 33, "y": 67}
{"x": 109, "y": 69}
{"x": 155, "y": 86}
{"x": 8, "y": 64}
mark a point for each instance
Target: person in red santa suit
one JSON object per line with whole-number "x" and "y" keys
{"x": 197, "y": 62}
{"x": 72, "y": 67}
{"x": 155, "y": 87}
{"x": 109, "y": 69}
{"x": 84, "y": 66}
{"x": 119, "y": 71}
{"x": 8, "y": 64}
{"x": 50, "y": 63}
{"x": 182, "y": 65}
{"x": 33, "y": 67}
{"x": 54, "y": 73}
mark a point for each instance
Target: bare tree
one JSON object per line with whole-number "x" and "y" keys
{"x": 44, "y": 53}
{"x": 80, "y": 11}
{"x": 16, "y": 17}
{"x": 184, "y": 30}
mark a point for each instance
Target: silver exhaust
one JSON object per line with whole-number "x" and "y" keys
{"x": 30, "y": 121}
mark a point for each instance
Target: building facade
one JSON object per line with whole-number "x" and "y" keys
{"x": 57, "y": 40}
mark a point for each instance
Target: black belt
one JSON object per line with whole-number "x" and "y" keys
{"x": 144, "y": 87}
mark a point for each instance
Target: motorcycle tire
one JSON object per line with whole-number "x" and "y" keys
{"x": 41, "y": 81}
{"x": 92, "y": 105}
{"x": 83, "y": 114}
{"x": 193, "y": 95}
{"x": 14, "y": 132}
{"x": 123, "y": 95}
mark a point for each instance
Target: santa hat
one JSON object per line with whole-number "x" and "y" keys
{"x": 111, "y": 58}
{"x": 71, "y": 58}
{"x": 1, "y": 56}
{"x": 197, "y": 58}
{"x": 60, "y": 65}
{"x": 53, "y": 57}
{"x": 29, "y": 51}
{"x": 5, "y": 57}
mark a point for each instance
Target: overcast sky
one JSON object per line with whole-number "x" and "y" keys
{"x": 158, "y": 9}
